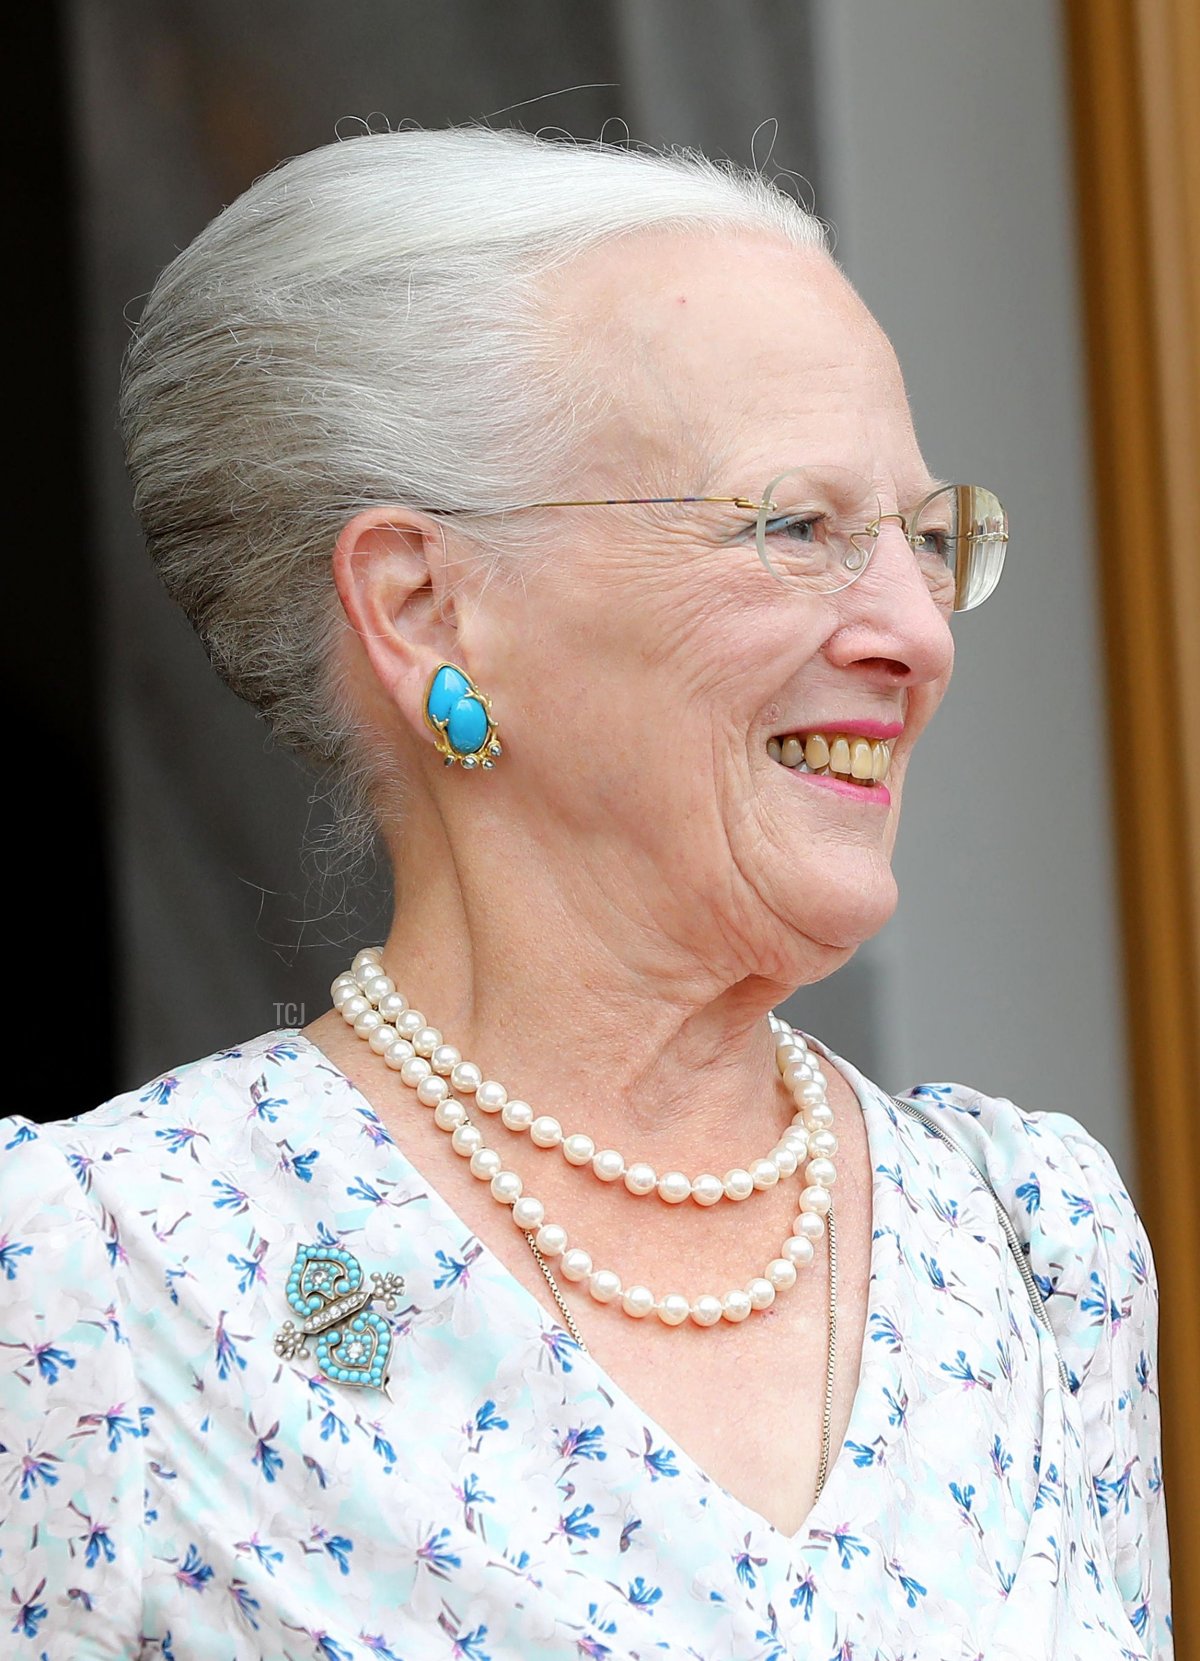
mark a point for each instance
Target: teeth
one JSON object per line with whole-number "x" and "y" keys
{"x": 865, "y": 760}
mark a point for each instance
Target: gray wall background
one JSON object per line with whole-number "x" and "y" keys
{"x": 933, "y": 134}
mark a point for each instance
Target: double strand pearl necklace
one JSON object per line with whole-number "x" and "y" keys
{"x": 368, "y": 1000}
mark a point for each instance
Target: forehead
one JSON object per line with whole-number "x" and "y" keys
{"x": 762, "y": 350}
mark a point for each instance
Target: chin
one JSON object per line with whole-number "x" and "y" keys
{"x": 844, "y": 902}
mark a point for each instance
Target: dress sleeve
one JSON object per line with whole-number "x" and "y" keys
{"x": 1107, "y": 1318}
{"x": 71, "y": 1422}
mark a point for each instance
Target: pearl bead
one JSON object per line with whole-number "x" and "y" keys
{"x": 529, "y": 1213}
{"x": 761, "y": 1292}
{"x": 822, "y": 1172}
{"x": 706, "y": 1310}
{"x": 798, "y": 1250}
{"x": 433, "y": 1090}
{"x": 738, "y": 1184}
{"x": 823, "y": 1142}
{"x": 551, "y": 1239}
{"x": 608, "y": 1165}
{"x": 506, "y": 1187}
{"x": 369, "y": 972}
{"x": 819, "y": 1078}
{"x": 604, "y": 1285}
{"x": 576, "y": 1264}
{"x": 765, "y": 1173}
{"x": 815, "y": 1199}
{"x": 809, "y": 1225}
{"x": 340, "y": 982}
{"x": 379, "y": 987}
{"x": 447, "y": 1114}
{"x": 397, "y": 1053}
{"x": 466, "y": 1077}
{"x": 736, "y": 1305}
{"x": 444, "y": 1059}
{"x": 545, "y": 1132}
{"x": 363, "y": 956}
{"x": 410, "y": 1023}
{"x": 381, "y": 1037}
{"x": 516, "y": 1115}
{"x": 638, "y": 1301}
{"x": 578, "y": 1149}
{"x": 809, "y": 1094}
{"x": 707, "y": 1189}
{"x": 641, "y": 1178}
{"x": 367, "y": 1023}
{"x": 785, "y": 1161}
{"x": 393, "y": 1006}
{"x": 466, "y": 1140}
{"x": 353, "y": 1007}
{"x": 781, "y": 1272}
{"x": 490, "y": 1096}
{"x": 414, "y": 1070}
{"x": 674, "y": 1187}
{"x": 820, "y": 1117}
{"x": 343, "y": 994}
{"x": 797, "y": 1074}
{"x": 673, "y": 1309}
{"x": 485, "y": 1164}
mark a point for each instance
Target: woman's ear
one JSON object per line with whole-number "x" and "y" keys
{"x": 389, "y": 567}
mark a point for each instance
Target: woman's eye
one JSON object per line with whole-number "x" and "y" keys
{"x": 796, "y": 527}
{"x": 932, "y": 545}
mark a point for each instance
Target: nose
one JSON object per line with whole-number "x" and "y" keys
{"x": 890, "y": 626}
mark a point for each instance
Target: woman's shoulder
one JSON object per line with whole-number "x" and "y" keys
{"x": 1085, "y": 1242}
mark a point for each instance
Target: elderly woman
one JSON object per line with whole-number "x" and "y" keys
{"x": 565, "y": 500}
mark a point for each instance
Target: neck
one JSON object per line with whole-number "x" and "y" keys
{"x": 581, "y": 1005}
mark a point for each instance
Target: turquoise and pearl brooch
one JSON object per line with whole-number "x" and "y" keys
{"x": 326, "y": 1291}
{"x": 460, "y": 716}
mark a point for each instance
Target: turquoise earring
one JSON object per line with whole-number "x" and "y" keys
{"x": 460, "y": 716}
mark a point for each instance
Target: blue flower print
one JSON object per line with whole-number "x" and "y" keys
{"x": 848, "y": 1545}
{"x": 575, "y": 1526}
{"x": 1001, "y": 1460}
{"x": 435, "y": 1554}
{"x": 265, "y": 1554}
{"x": 179, "y": 1138}
{"x": 98, "y": 1544}
{"x": 560, "y": 1346}
{"x": 23, "y": 1133}
{"x": 745, "y": 1565}
{"x": 10, "y": 1251}
{"x": 379, "y": 1647}
{"x": 116, "y": 1424}
{"x": 160, "y": 1091}
{"x": 247, "y": 1607}
{"x": 911, "y": 1587}
{"x": 885, "y": 1331}
{"x": 193, "y": 1571}
{"x": 227, "y": 1353}
{"x": 1081, "y": 1207}
{"x": 660, "y": 1462}
{"x": 867, "y": 1453}
{"x": 465, "y": 1646}
{"x": 961, "y": 1369}
{"x": 643, "y": 1596}
{"x": 802, "y": 1597}
{"x": 582, "y": 1443}
{"x": 229, "y": 1196}
{"x": 30, "y": 1613}
{"x": 1030, "y": 1194}
{"x": 267, "y": 1458}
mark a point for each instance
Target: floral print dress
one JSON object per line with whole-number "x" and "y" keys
{"x": 170, "y": 1487}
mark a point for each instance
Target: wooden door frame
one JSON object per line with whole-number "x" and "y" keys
{"x": 1133, "y": 67}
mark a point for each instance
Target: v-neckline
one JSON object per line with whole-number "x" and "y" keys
{"x": 881, "y": 1142}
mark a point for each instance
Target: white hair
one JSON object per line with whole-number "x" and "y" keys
{"x": 362, "y": 326}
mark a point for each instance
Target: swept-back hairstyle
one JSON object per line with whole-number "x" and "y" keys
{"x": 363, "y": 326}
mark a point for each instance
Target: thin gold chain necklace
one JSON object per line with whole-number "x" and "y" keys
{"x": 831, "y": 1355}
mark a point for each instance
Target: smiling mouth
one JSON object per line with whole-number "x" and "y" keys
{"x": 845, "y": 756}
